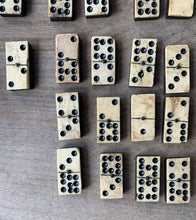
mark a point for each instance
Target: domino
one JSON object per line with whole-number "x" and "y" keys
{"x": 69, "y": 171}
{"x": 111, "y": 176}
{"x": 180, "y": 8}
{"x": 60, "y": 10}
{"x": 176, "y": 120}
{"x": 103, "y": 60}
{"x": 178, "y": 180}
{"x": 177, "y": 69}
{"x": 17, "y": 65}
{"x": 148, "y": 178}
{"x": 147, "y": 9}
{"x": 67, "y": 58}
{"x": 108, "y": 120}
{"x": 68, "y": 117}
{"x": 143, "y": 62}
{"x": 143, "y": 117}
{"x": 11, "y": 7}
{"x": 96, "y": 8}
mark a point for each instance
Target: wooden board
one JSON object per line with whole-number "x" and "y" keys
{"x": 28, "y": 128}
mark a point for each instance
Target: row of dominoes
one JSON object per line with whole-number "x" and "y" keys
{"x": 148, "y": 173}
{"x": 63, "y": 9}
{"x": 108, "y": 118}
{"x": 103, "y": 63}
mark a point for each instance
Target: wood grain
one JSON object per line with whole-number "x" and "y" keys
{"x": 28, "y": 128}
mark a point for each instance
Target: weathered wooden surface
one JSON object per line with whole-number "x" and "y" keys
{"x": 28, "y": 127}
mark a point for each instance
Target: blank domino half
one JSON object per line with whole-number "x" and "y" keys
{"x": 180, "y": 8}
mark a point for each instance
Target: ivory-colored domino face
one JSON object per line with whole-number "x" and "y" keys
{"x": 67, "y": 58}
{"x": 60, "y": 10}
{"x": 11, "y": 8}
{"x": 96, "y": 8}
{"x": 103, "y": 60}
{"x": 69, "y": 171}
{"x": 176, "y": 120}
{"x": 108, "y": 120}
{"x": 68, "y": 117}
{"x": 17, "y": 65}
{"x": 177, "y": 69}
{"x": 147, "y": 9}
{"x": 111, "y": 175}
{"x": 178, "y": 180}
{"x": 143, "y": 62}
{"x": 180, "y": 8}
{"x": 148, "y": 178}
{"x": 108, "y": 109}
{"x": 143, "y": 117}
